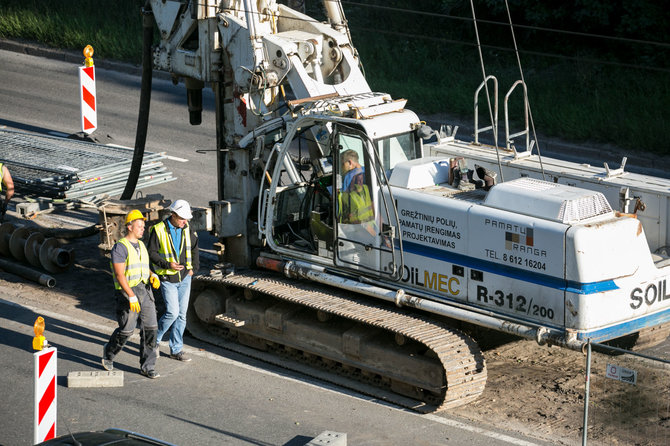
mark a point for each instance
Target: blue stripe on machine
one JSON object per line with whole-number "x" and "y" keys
{"x": 625, "y": 328}
{"x": 509, "y": 271}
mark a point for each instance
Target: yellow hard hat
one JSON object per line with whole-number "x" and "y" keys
{"x": 134, "y": 215}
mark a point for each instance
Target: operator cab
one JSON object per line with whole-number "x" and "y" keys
{"x": 341, "y": 212}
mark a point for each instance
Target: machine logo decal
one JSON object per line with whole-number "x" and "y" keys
{"x": 651, "y": 294}
{"x": 511, "y": 239}
{"x": 520, "y": 239}
{"x": 432, "y": 280}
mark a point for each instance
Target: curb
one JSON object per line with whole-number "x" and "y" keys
{"x": 75, "y": 57}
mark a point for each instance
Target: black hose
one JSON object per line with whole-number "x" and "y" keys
{"x": 28, "y": 273}
{"x": 145, "y": 102}
{"x": 71, "y": 233}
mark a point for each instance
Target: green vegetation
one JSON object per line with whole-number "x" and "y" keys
{"x": 581, "y": 88}
{"x": 112, "y": 27}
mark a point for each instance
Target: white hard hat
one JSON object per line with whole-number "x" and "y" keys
{"x": 182, "y": 209}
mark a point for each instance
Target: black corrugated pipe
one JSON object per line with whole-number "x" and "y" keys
{"x": 145, "y": 101}
{"x": 27, "y": 273}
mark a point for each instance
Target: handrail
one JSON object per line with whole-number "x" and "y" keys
{"x": 509, "y": 137}
{"x": 495, "y": 108}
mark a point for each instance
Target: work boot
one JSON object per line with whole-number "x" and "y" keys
{"x": 151, "y": 374}
{"x": 180, "y": 357}
{"x": 107, "y": 364}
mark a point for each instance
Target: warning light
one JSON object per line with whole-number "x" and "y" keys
{"x": 88, "y": 54}
{"x": 39, "y": 341}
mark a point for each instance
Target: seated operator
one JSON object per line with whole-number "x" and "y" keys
{"x": 355, "y": 203}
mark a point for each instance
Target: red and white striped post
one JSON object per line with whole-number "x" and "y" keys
{"x": 45, "y": 386}
{"x": 45, "y": 394}
{"x": 89, "y": 116}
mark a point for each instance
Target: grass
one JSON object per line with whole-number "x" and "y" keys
{"x": 574, "y": 100}
{"x": 113, "y": 28}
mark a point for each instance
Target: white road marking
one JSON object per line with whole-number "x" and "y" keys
{"x": 174, "y": 158}
{"x": 214, "y": 357}
{"x": 477, "y": 430}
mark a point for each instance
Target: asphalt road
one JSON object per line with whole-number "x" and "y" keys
{"x": 219, "y": 398}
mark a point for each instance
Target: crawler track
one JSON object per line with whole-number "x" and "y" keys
{"x": 409, "y": 360}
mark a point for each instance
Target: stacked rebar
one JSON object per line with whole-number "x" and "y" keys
{"x": 58, "y": 168}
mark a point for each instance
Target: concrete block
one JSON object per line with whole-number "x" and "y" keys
{"x": 95, "y": 378}
{"x": 329, "y": 438}
{"x": 25, "y": 209}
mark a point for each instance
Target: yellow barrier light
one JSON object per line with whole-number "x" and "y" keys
{"x": 88, "y": 54}
{"x": 39, "y": 341}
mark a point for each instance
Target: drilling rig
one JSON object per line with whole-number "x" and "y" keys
{"x": 359, "y": 241}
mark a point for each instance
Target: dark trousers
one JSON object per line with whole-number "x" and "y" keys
{"x": 128, "y": 321}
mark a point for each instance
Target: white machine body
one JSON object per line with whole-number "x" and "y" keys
{"x": 529, "y": 251}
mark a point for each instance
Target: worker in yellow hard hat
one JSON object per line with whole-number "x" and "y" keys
{"x": 134, "y": 298}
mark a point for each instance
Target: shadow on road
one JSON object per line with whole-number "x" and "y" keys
{"x": 224, "y": 432}
{"x": 23, "y": 339}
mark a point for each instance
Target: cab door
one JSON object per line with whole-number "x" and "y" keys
{"x": 365, "y": 215}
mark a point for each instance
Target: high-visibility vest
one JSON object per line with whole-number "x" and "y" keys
{"x": 166, "y": 248}
{"x": 137, "y": 267}
{"x": 355, "y": 206}
{"x": 1, "y": 176}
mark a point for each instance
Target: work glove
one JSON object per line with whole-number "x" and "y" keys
{"x": 134, "y": 304}
{"x": 3, "y": 210}
{"x": 155, "y": 281}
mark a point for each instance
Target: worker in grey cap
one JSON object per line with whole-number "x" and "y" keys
{"x": 173, "y": 250}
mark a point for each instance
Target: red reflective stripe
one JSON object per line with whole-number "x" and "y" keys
{"x": 44, "y": 360}
{"x": 52, "y": 432}
{"x": 88, "y": 98}
{"x": 90, "y": 72}
{"x": 87, "y": 124}
{"x": 47, "y": 399}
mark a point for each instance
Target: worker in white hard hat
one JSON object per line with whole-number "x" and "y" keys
{"x": 134, "y": 297}
{"x": 173, "y": 250}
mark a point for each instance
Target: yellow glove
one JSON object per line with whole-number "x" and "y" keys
{"x": 134, "y": 304}
{"x": 155, "y": 281}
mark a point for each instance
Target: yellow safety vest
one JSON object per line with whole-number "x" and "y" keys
{"x": 355, "y": 206}
{"x": 137, "y": 267}
{"x": 1, "y": 176}
{"x": 166, "y": 248}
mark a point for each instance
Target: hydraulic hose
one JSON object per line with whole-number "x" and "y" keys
{"x": 145, "y": 102}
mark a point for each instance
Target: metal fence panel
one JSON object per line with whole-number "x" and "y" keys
{"x": 629, "y": 400}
